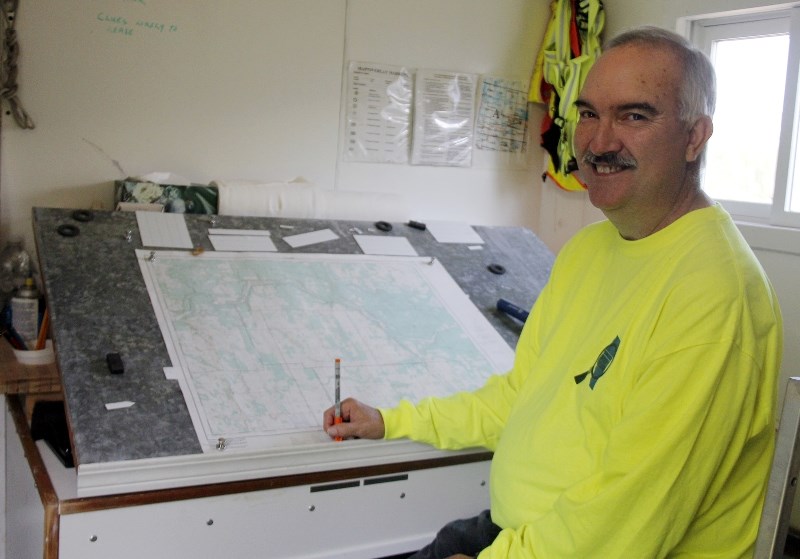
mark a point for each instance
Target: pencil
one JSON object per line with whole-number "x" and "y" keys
{"x": 42, "y": 339}
{"x": 337, "y": 417}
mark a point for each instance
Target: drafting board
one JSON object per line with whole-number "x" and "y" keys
{"x": 253, "y": 337}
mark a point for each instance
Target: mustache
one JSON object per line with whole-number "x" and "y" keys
{"x": 609, "y": 159}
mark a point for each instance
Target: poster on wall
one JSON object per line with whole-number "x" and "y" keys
{"x": 444, "y": 117}
{"x": 378, "y": 113}
{"x": 502, "y": 117}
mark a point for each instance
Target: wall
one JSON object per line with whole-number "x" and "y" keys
{"x": 248, "y": 89}
{"x": 500, "y": 38}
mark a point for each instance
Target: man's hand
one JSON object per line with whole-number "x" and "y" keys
{"x": 358, "y": 421}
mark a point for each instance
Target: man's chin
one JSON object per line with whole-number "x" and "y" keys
{"x": 604, "y": 197}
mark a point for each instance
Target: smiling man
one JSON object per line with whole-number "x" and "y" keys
{"x": 638, "y": 419}
{"x": 644, "y": 122}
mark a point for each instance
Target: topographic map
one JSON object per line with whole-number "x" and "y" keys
{"x": 502, "y": 115}
{"x": 253, "y": 337}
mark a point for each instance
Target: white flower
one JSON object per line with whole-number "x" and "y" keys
{"x": 147, "y": 192}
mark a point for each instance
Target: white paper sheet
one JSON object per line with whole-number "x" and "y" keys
{"x": 164, "y": 230}
{"x": 390, "y": 246}
{"x": 311, "y": 238}
{"x": 119, "y": 405}
{"x": 242, "y": 243}
{"x": 248, "y": 232}
{"x": 453, "y": 232}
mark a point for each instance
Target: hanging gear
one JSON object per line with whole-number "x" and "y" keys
{"x": 571, "y": 45}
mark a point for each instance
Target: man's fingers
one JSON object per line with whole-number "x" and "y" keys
{"x": 358, "y": 420}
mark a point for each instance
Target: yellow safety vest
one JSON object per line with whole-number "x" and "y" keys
{"x": 571, "y": 45}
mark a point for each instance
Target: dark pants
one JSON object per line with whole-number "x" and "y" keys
{"x": 468, "y": 536}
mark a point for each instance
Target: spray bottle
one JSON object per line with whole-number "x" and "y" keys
{"x": 25, "y": 312}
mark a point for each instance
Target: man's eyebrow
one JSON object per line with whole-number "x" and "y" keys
{"x": 638, "y": 106}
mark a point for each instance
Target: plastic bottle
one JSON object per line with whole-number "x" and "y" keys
{"x": 25, "y": 312}
{"x": 15, "y": 266}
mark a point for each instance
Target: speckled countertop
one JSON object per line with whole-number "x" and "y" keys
{"x": 99, "y": 304}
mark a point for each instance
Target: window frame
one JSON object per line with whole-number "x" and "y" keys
{"x": 786, "y": 172}
{"x": 702, "y": 30}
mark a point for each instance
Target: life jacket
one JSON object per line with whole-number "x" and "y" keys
{"x": 571, "y": 45}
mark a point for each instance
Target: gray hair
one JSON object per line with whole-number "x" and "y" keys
{"x": 699, "y": 88}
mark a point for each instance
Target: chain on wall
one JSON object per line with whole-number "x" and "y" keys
{"x": 8, "y": 64}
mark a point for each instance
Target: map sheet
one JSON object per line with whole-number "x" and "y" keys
{"x": 253, "y": 337}
{"x": 502, "y": 115}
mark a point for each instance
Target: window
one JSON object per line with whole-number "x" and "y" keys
{"x": 753, "y": 158}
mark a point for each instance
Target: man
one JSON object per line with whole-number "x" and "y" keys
{"x": 638, "y": 419}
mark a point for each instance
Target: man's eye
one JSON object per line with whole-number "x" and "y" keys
{"x": 635, "y": 117}
{"x": 585, "y": 113}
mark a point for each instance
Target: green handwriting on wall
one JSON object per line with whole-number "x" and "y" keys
{"x": 122, "y": 25}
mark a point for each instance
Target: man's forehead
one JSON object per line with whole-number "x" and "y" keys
{"x": 633, "y": 75}
{"x": 634, "y": 52}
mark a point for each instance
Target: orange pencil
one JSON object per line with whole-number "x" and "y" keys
{"x": 42, "y": 339}
{"x": 337, "y": 417}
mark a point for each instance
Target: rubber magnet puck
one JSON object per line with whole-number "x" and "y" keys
{"x": 383, "y": 225}
{"x": 114, "y": 361}
{"x": 496, "y": 269}
{"x": 67, "y": 230}
{"x": 417, "y": 225}
{"x": 82, "y": 215}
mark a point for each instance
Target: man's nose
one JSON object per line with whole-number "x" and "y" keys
{"x": 604, "y": 138}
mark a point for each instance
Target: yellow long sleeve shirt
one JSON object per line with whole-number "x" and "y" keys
{"x": 638, "y": 419}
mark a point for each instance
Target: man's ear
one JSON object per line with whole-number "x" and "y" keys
{"x": 699, "y": 134}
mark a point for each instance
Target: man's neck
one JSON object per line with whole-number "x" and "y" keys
{"x": 640, "y": 228}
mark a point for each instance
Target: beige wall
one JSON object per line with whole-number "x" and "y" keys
{"x": 250, "y": 90}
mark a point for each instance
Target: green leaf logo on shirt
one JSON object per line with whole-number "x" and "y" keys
{"x": 601, "y": 365}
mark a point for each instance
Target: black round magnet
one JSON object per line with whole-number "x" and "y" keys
{"x": 82, "y": 215}
{"x": 67, "y": 230}
{"x": 383, "y": 225}
{"x": 496, "y": 269}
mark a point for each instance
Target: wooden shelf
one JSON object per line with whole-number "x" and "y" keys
{"x": 16, "y": 378}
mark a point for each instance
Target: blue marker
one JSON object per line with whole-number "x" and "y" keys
{"x": 512, "y": 310}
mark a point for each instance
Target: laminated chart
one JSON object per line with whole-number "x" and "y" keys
{"x": 378, "y": 113}
{"x": 444, "y": 117}
{"x": 502, "y": 115}
{"x": 253, "y": 337}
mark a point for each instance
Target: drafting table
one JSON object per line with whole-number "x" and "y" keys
{"x": 142, "y": 486}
